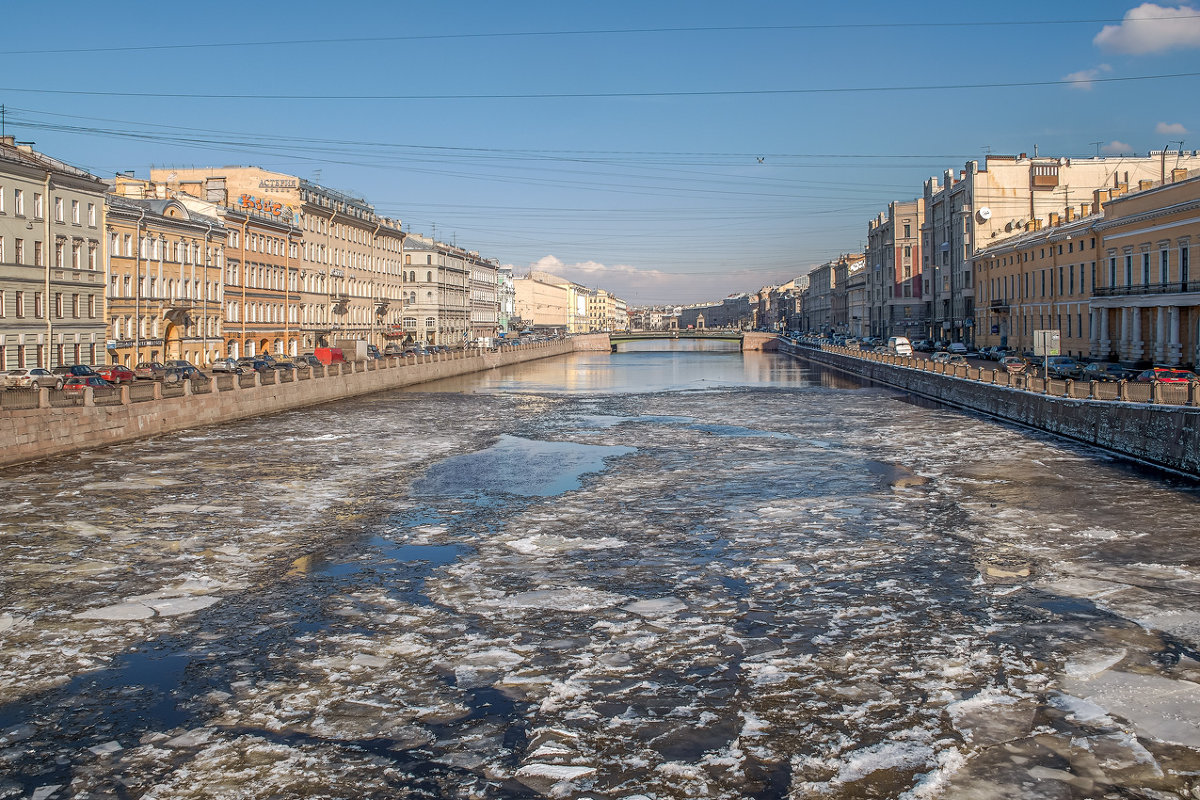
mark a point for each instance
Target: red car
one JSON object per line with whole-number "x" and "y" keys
{"x": 75, "y": 385}
{"x": 1166, "y": 375}
{"x": 116, "y": 373}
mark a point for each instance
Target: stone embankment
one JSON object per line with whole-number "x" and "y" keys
{"x": 1156, "y": 424}
{"x": 55, "y": 424}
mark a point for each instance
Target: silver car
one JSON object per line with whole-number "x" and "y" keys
{"x": 35, "y": 378}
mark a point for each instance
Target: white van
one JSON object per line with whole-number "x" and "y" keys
{"x": 900, "y": 345}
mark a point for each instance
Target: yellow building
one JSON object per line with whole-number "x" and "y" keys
{"x": 1039, "y": 280}
{"x": 1147, "y": 303}
{"x": 164, "y": 265}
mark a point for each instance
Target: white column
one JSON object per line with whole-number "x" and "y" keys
{"x": 1174, "y": 347}
{"x": 1137, "y": 347}
{"x": 1105, "y": 341}
{"x": 1160, "y": 334}
{"x": 1126, "y": 326}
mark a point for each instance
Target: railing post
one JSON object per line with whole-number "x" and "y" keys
{"x": 1070, "y": 390}
{"x": 125, "y": 394}
{"x": 257, "y": 379}
{"x": 158, "y": 390}
{"x": 1092, "y": 386}
{"x": 214, "y": 386}
{"x": 187, "y": 388}
{"x": 1193, "y": 393}
{"x": 89, "y": 397}
{"x": 1123, "y": 391}
{"x": 43, "y": 397}
{"x": 1156, "y": 392}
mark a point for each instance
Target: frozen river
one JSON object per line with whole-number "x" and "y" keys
{"x": 652, "y": 574}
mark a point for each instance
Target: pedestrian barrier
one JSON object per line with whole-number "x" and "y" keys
{"x": 1156, "y": 392}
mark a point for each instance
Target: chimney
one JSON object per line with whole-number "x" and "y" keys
{"x": 215, "y": 191}
{"x": 1036, "y": 223}
{"x": 1085, "y": 209}
{"x": 1070, "y": 214}
{"x": 1023, "y": 156}
{"x": 1053, "y": 219}
{"x": 1144, "y": 185}
{"x": 1178, "y": 174}
{"x": 8, "y": 141}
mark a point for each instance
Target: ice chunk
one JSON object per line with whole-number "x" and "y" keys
{"x": 45, "y": 792}
{"x": 657, "y": 607}
{"x": 1161, "y": 708}
{"x": 118, "y": 613}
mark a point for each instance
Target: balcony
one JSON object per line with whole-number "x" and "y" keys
{"x": 1176, "y": 287}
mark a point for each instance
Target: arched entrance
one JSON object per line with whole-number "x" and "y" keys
{"x": 173, "y": 341}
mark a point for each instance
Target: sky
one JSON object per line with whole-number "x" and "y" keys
{"x": 670, "y": 152}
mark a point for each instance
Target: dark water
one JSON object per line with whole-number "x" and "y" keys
{"x": 662, "y": 573}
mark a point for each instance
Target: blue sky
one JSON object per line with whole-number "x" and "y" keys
{"x": 616, "y": 143}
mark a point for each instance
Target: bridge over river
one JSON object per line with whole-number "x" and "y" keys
{"x": 748, "y": 340}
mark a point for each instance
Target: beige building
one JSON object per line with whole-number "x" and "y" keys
{"x": 438, "y": 282}
{"x": 51, "y": 261}
{"x": 1146, "y": 304}
{"x": 894, "y": 288}
{"x": 541, "y": 303}
{"x": 979, "y": 207}
{"x": 351, "y": 260}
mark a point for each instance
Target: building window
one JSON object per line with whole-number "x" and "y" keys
{"x": 19, "y": 202}
{"x": 1183, "y": 264}
{"x": 58, "y": 207}
{"x": 91, "y": 214}
{"x": 1145, "y": 269}
{"x": 38, "y": 311}
{"x": 19, "y": 304}
{"x": 1128, "y": 270}
{"x": 1162, "y": 267}
{"x": 75, "y": 211}
{"x": 58, "y": 305}
{"x": 91, "y": 306}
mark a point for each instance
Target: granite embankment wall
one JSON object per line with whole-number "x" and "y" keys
{"x": 55, "y": 428}
{"x": 1165, "y": 436}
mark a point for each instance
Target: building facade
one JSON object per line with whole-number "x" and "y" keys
{"x": 351, "y": 260}
{"x": 1146, "y": 307}
{"x": 51, "y": 261}
{"x": 165, "y": 266}
{"x": 895, "y": 299}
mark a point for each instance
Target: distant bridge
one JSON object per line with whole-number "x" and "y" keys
{"x": 749, "y": 340}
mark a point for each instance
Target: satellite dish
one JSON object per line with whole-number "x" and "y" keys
{"x": 1020, "y": 223}
{"x": 984, "y": 213}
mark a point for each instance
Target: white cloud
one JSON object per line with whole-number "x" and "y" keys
{"x": 1083, "y": 79}
{"x": 1170, "y": 129}
{"x": 1151, "y": 28}
{"x": 1114, "y": 147}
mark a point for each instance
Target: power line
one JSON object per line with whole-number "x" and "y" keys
{"x": 359, "y": 40}
{"x": 598, "y": 95}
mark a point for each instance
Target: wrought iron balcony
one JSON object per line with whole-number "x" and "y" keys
{"x": 1174, "y": 287}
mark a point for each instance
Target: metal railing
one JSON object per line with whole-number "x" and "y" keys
{"x": 1171, "y": 287}
{"x": 1156, "y": 392}
{"x": 20, "y": 398}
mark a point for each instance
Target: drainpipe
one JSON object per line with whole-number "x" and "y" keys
{"x": 245, "y": 280}
{"x": 49, "y": 256}
{"x": 204, "y": 299}
{"x": 137, "y": 297}
{"x": 287, "y": 287}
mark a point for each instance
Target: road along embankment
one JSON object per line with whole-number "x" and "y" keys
{"x": 56, "y": 425}
{"x": 1152, "y": 432}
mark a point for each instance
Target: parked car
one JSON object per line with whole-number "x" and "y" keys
{"x": 957, "y": 347}
{"x": 923, "y": 346}
{"x": 35, "y": 378}
{"x": 150, "y": 371}
{"x": 1104, "y": 371}
{"x": 1013, "y": 365}
{"x": 75, "y": 385}
{"x": 70, "y": 370}
{"x": 179, "y": 363}
{"x": 944, "y": 357}
{"x": 308, "y": 360}
{"x": 283, "y": 365}
{"x": 393, "y": 350}
{"x": 254, "y": 363}
{"x": 191, "y": 373}
{"x": 373, "y": 351}
{"x": 1063, "y": 367}
{"x": 1166, "y": 375}
{"x": 228, "y": 365}
{"x": 116, "y": 373}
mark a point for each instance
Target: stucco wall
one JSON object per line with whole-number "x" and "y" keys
{"x": 1163, "y": 436}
